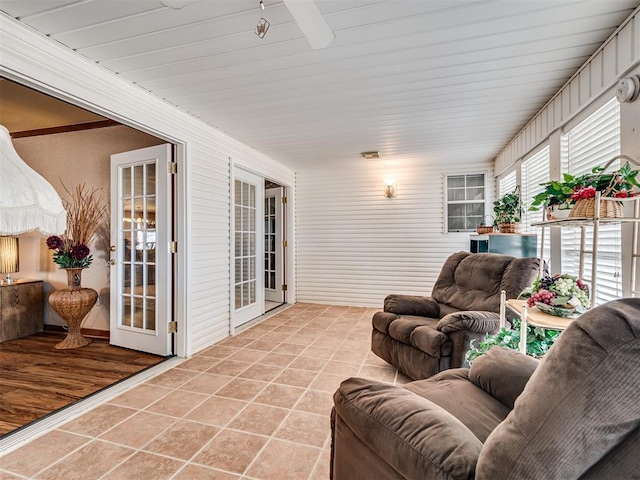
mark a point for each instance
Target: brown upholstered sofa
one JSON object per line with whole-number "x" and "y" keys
{"x": 574, "y": 415}
{"x": 422, "y": 336}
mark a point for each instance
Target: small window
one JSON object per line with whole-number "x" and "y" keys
{"x": 465, "y": 202}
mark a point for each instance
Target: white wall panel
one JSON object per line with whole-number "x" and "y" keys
{"x": 614, "y": 59}
{"x": 204, "y": 212}
{"x": 355, "y": 246}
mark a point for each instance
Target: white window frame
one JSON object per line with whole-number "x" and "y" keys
{"x": 484, "y": 202}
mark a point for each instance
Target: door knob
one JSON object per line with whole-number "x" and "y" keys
{"x": 112, "y": 248}
{"x": 111, "y": 261}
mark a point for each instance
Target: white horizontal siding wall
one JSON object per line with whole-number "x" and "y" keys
{"x": 355, "y": 246}
{"x": 616, "y": 58}
{"x": 204, "y": 176}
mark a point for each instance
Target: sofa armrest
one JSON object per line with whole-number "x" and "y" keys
{"x": 503, "y": 373}
{"x": 414, "y": 436}
{"x": 471, "y": 320}
{"x": 412, "y": 305}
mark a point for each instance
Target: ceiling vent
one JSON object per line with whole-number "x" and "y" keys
{"x": 370, "y": 155}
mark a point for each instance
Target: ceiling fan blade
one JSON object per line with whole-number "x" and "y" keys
{"x": 311, "y": 22}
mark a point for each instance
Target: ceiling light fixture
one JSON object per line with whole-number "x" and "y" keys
{"x": 370, "y": 155}
{"x": 263, "y": 25}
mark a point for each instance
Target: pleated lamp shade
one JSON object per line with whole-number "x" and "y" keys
{"x": 9, "y": 256}
{"x": 27, "y": 201}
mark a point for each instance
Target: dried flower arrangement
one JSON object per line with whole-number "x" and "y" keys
{"x": 86, "y": 209}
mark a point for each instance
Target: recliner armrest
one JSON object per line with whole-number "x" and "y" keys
{"x": 471, "y": 320}
{"x": 414, "y": 436}
{"x": 412, "y": 305}
{"x": 503, "y": 373}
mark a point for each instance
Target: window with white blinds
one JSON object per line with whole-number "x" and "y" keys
{"x": 593, "y": 142}
{"x": 507, "y": 183}
{"x": 534, "y": 171}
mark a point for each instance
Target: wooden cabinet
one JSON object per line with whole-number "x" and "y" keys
{"x": 21, "y": 309}
{"x": 516, "y": 245}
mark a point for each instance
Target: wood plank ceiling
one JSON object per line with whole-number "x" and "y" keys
{"x": 428, "y": 78}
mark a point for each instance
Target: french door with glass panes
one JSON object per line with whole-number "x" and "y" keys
{"x": 248, "y": 291}
{"x": 141, "y": 266}
{"x": 273, "y": 254}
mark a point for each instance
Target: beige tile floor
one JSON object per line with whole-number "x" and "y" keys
{"x": 254, "y": 406}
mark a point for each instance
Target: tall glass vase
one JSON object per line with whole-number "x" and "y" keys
{"x": 72, "y": 304}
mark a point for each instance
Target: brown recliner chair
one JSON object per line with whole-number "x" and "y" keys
{"x": 422, "y": 336}
{"x": 573, "y": 416}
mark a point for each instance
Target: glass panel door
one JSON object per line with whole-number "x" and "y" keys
{"x": 248, "y": 277}
{"x": 141, "y": 219}
{"x": 273, "y": 249}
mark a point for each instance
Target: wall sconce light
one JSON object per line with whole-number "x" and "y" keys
{"x": 9, "y": 257}
{"x": 389, "y": 188}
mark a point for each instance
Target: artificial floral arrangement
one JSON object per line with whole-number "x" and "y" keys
{"x": 539, "y": 341}
{"x": 617, "y": 184}
{"x": 558, "y": 294}
{"x": 85, "y": 212}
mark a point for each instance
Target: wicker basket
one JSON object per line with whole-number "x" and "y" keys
{"x": 484, "y": 229}
{"x": 509, "y": 227}
{"x": 586, "y": 208}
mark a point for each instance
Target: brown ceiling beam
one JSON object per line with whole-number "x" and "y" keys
{"x": 65, "y": 128}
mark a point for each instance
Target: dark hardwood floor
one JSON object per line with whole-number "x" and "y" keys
{"x": 36, "y": 379}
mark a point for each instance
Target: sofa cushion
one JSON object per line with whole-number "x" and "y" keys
{"x": 411, "y": 305}
{"x": 431, "y": 341}
{"x": 471, "y": 405}
{"x": 382, "y": 320}
{"x": 473, "y": 281}
{"x": 402, "y": 327}
{"x": 472, "y": 320}
{"x": 469, "y": 282}
{"x": 503, "y": 373}
{"x": 580, "y": 403}
{"x": 402, "y": 429}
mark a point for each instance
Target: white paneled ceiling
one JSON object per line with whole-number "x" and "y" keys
{"x": 428, "y": 78}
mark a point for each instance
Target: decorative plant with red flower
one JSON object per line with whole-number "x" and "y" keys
{"x": 86, "y": 210}
{"x": 618, "y": 184}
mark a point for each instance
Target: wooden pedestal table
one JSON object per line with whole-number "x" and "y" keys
{"x": 536, "y": 318}
{"x": 73, "y": 304}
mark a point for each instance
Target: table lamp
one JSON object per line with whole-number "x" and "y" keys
{"x": 9, "y": 257}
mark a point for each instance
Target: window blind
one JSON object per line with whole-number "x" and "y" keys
{"x": 593, "y": 142}
{"x": 534, "y": 171}
{"x": 507, "y": 183}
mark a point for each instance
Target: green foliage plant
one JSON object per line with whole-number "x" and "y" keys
{"x": 539, "y": 340}
{"x": 508, "y": 208}
{"x": 555, "y": 193}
